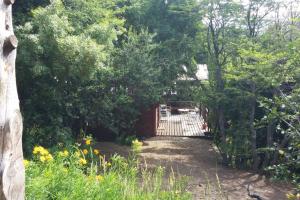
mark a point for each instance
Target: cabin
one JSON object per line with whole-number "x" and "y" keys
{"x": 149, "y": 122}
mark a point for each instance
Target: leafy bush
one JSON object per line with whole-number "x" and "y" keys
{"x": 47, "y": 136}
{"x": 83, "y": 173}
{"x": 73, "y": 75}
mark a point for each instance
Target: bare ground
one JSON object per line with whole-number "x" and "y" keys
{"x": 196, "y": 158}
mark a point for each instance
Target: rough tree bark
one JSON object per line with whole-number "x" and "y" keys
{"x": 216, "y": 49}
{"x": 252, "y": 128}
{"x": 12, "y": 173}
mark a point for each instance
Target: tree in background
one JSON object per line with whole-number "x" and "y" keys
{"x": 175, "y": 25}
{"x": 91, "y": 64}
{"x": 96, "y": 74}
{"x": 64, "y": 47}
{"x": 221, "y": 27}
{"x": 260, "y": 87}
{"x": 250, "y": 56}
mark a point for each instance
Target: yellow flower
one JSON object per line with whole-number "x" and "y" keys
{"x": 26, "y": 163}
{"x": 49, "y": 157}
{"x": 137, "y": 143}
{"x": 44, "y": 152}
{"x": 41, "y": 150}
{"x": 64, "y": 153}
{"x": 82, "y": 161}
{"x": 108, "y": 164}
{"x": 85, "y": 151}
{"x": 38, "y": 149}
{"x": 99, "y": 178}
{"x": 88, "y": 141}
{"x": 136, "y": 146}
{"x": 42, "y": 159}
{"x": 96, "y": 151}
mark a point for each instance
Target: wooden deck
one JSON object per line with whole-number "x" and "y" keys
{"x": 183, "y": 125}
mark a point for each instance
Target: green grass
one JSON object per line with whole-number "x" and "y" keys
{"x": 118, "y": 178}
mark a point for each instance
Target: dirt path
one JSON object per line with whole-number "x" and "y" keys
{"x": 196, "y": 158}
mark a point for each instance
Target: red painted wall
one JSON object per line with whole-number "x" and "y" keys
{"x": 148, "y": 122}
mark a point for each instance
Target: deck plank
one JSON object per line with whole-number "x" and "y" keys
{"x": 184, "y": 125}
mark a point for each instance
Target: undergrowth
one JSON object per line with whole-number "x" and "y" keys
{"x": 82, "y": 172}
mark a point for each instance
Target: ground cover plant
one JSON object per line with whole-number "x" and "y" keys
{"x": 82, "y": 172}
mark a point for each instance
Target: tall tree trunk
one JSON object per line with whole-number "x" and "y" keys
{"x": 216, "y": 49}
{"x": 221, "y": 118}
{"x": 12, "y": 173}
{"x": 252, "y": 128}
{"x": 269, "y": 143}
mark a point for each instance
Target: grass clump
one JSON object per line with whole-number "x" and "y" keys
{"x": 83, "y": 173}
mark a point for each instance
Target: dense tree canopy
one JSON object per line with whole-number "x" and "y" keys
{"x": 94, "y": 65}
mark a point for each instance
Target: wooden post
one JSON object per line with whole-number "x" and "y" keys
{"x": 12, "y": 173}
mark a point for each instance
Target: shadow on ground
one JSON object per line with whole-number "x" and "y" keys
{"x": 196, "y": 158}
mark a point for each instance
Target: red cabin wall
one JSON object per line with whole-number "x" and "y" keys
{"x": 148, "y": 122}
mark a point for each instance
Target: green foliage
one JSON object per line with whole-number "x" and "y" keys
{"x": 71, "y": 76}
{"x": 259, "y": 72}
{"x": 175, "y": 25}
{"x": 137, "y": 69}
{"x": 66, "y": 177}
{"x": 90, "y": 65}
{"x": 39, "y": 135}
{"x": 95, "y": 65}
{"x": 22, "y": 10}
{"x": 58, "y": 61}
